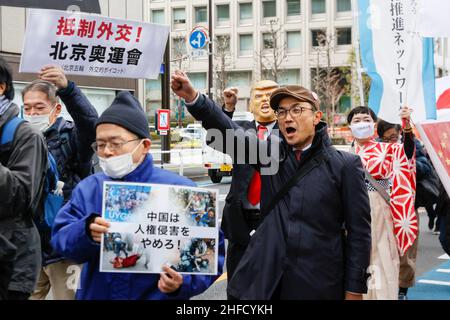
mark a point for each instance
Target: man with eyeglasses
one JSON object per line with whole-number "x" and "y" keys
{"x": 122, "y": 145}
{"x": 314, "y": 240}
{"x": 69, "y": 144}
{"x": 241, "y": 213}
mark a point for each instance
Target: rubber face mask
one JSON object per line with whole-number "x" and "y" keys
{"x": 363, "y": 130}
{"x": 119, "y": 166}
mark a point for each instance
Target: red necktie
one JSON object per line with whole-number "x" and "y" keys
{"x": 298, "y": 154}
{"x": 254, "y": 189}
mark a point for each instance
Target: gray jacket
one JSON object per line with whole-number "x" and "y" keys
{"x": 23, "y": 164}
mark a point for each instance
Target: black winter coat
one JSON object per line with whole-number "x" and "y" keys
{"x": 316, "y": 242}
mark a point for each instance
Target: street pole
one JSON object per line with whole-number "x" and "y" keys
{"x": 210, "y": 51}
{"x": 356, "y": 37}
{"x": 165, "y": 102}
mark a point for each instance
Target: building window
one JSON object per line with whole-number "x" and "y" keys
{"x": 223, "y": 44}
{"x": 245, "y": 11}
{"x": 291, "y": 76}
{"x": 178, "y": 48}
{"x": 245, "y": 44}
{"x": 293, "y": 40}
{"x": 268, "y": 41}
{"x": 344, "y": 36}
{"x": 198, "y": 80}
{"x": 318, "y": 36}
{"x": 269, "y": 9}
{"x": 239, "y": 79}
{"x": 158, "y": 16}
{"x": 344, "y": 5}
{"x": 223, "y": 13}
{"x": 201, "y": 14}
{"x": 293, "y": 8}
{"x": 179, "y": 17}
{"x": 318, "y": 6}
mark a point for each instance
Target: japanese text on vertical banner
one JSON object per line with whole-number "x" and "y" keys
{"x": 93, "y": 45}
{"x": 398, "y": 27}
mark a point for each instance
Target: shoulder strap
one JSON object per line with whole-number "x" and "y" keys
{"x": 301, "y": 172}
{"x": 65, "y": 144}
{"x": 386, "y": 197}
{"x": 9, "y": 130}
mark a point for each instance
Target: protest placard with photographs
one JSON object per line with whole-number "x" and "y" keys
{"x": 93, "y": 45}
{"x": 154, "y": 225}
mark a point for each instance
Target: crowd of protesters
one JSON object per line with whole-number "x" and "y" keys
{"x": 323, "y": 225}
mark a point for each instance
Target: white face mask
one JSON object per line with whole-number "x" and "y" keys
{"x": 363, "y": 130}
{"x": 40, "y": 122}
{"x": 119, "y": 166}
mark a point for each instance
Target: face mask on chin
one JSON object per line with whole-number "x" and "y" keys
{"x": 119, "y": 166}
{"x": 363, "y": 130}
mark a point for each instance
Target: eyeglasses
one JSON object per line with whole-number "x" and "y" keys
{"x": 112, "y": 146}
{"x": 391, "y": 138}
{"x": 295, "y": 112}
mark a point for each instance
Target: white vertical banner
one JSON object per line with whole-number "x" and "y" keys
{"x": 93, "y": 45}
{"x": 399, "y": 61}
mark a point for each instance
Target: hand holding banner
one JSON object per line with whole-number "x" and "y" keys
{"x": 92, "y": 45}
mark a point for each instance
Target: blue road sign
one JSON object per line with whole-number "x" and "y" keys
{"x": 198, "y": 39}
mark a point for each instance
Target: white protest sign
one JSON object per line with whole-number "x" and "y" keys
{"x": 153, "y": 225}
{"x": 93, "y": 45}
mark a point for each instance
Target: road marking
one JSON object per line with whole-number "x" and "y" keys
{"x": 443, "y": 270}
{"x": 440, "y": 283}
{"x": 444, "y": 257}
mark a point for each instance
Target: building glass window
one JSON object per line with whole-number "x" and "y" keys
{"x": 269, "y": 9}
{"x": 344, "y": 5}
{"x": 239, "y": 79}
{"x": 178, "y": 48}
{"x": 158, "y": 16}
{"x": 344, "y": 36}
{"x": 268, "y": 41}
{"x": 245, "y": 44}
{"x": 223, "y": 43}
{"x": 317, "y": 35}
{"x": 198, "y": 80}
{"x": 293, "y": 40}
{"x": 291, "y": 76}
{"x": 223, "y": 12}
{"x": 293, "y": 7}
{"x": 245, "y": 11}
{"x": 201, "y": 14}
{"x": 318, "y": 6}
{"x": 179, "y": 16}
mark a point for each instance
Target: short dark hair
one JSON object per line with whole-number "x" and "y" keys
{"x": 383, "y": 126}
{"x": 363, "y": 110}
{"x": 46, "y": 87}
{"x": 6, "y": 78}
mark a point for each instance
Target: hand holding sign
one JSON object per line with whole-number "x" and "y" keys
{"x": 170, "y": 280}
{"x": 54, "y": 75}
{"x": 405, "y": 115}
{"x": 98, "y": 227}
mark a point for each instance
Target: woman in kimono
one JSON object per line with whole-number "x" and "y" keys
{"x": 390, "y": 181}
